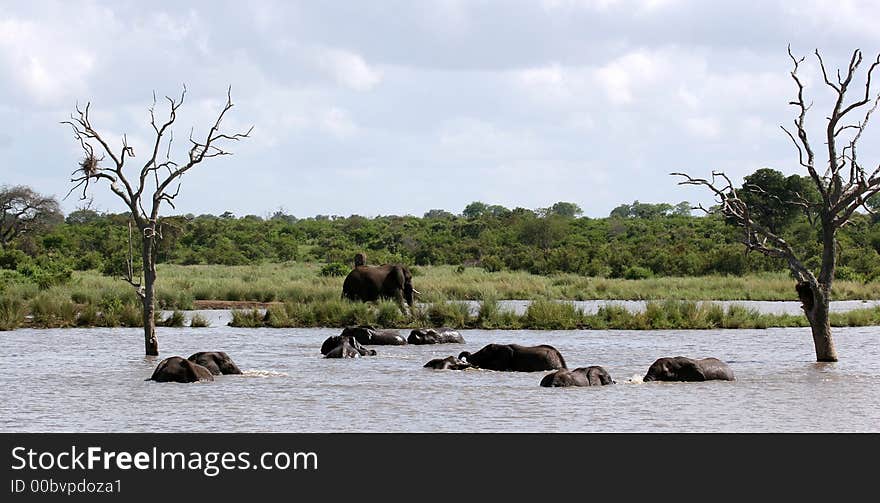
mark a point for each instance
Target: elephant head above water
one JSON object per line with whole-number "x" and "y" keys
{"x": 681, "y": 368}
{"x": 178, "y": 369}
{"x": 218, "y": 362}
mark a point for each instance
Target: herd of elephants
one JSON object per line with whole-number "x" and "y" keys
{"x": 394, "y": 281}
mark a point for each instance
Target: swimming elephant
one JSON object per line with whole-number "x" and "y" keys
{"x": 584, "y": 376}
{"x": 448, "y": 363}
{"x": 682, "y": 368}
{"x": 368, "y": 336}
{"x": 367, "y": 283}
{"x": 435, "y": 336}
{"x": 344, "y": 346}
{"x": 217, "y": 362}
{"x": 514, "y": 357}
{"x": 178, "y": 369}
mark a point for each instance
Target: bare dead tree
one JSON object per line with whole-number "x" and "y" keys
{"x": 157, "y": 181}
{"x": 843, "y": 182}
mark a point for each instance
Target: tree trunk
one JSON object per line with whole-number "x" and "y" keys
{"x": 816, "y": 302}
{"x": 151, "y": 344}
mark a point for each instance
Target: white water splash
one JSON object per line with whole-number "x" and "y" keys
{"x": 636, "y": 379}
{"x": 262, "y": 373}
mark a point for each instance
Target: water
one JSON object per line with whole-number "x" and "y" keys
{"x": 92, "y": 380}
{"x": 765, "y": 307}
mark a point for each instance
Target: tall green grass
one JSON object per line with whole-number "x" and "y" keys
{"x": 306, "y": 298}
{"x": 540, "y": 315}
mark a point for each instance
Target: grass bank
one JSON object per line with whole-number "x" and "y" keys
{"x": 540, "y": 315}
{"x": 90, "y": 299}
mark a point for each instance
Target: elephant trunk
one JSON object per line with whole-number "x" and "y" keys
{"x": 408, "y": 291}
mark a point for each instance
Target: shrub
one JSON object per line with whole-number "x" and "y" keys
{"x": 335, "y": 269}
{"x": 175, "y": 319}
{"x": 199, "y": 321}
{"x": 12, "y": 312}
{"x": 637, "y": 272}
{"x": 246, "y": 318}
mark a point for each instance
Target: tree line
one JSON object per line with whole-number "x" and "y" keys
{"x": 635, "y": 241}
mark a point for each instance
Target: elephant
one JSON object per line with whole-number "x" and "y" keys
{"x": 217, "y": 362}
{"x": 367, "y": 283}
{"x": 368, "y": 336}
{"x": 344, "y": 346}
{"x": 513, "y": 357}
{"x": 178, "y": 369}
{"x": 583, "y": 376}
{"x": 435, "y": 336}
{"x": 448, "y": 363}
{"x": 681, "y": 368}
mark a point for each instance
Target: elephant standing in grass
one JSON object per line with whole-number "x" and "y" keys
{"x": 367, "y": 283}
{"x": 584, "y": 376}
{"x": 179, "y": 369}
{"x": 681, "y": 368}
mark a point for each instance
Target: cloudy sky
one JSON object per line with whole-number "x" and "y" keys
{"x": 398, "y": 107}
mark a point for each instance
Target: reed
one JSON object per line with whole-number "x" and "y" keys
{"x": 12, "y": 313}
{"x": 197, "y": 320}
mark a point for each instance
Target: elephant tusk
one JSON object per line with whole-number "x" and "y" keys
{"x": 416, "y": 291}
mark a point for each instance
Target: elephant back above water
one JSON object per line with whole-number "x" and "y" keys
{"x": 368, "y": 335}
{"x": 179, "y": 369}
{"x": 585, "y": 376}
{"x": 370, "y": 283}
{"x": 435, "y": 336}
{"x": 513, "y": 357}
{"x": 681, "y": 368}
{"x": 217, "y": 362}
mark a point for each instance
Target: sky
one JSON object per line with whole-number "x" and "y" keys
{"x": 398, "y": 107}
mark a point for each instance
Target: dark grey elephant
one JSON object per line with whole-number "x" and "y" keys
{"x": 435, "y": 336}
{"x": 448, "y": 363}
{"x": 681, "y": 368}
{"x": 344, "y": 346}
{"x": 179, "y": 369}
{"x": 218, "y": 362}
{"x": 513, "y": 357}
{"x": 369, "y": 336}
{"x": 583, "y": 376}
{"x": 367, "y": 283}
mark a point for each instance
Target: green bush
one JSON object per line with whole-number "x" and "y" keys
{"x": 199, "y": 321}
{"x": 637, "y": 272}
{"x": 175, "y": 319}
{"x": 12, "y": 313}
{"x": 335, "y": 269}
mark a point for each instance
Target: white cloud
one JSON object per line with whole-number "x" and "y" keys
{"x": 349, "y": 69}
{"x": 30, "y": 56}
{"x": 708, "y": 128}
{"x": 337, "y": 122}
{"x": 621, "y": 77}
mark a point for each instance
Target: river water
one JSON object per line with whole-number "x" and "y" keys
{"x": 92, "y": 380}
